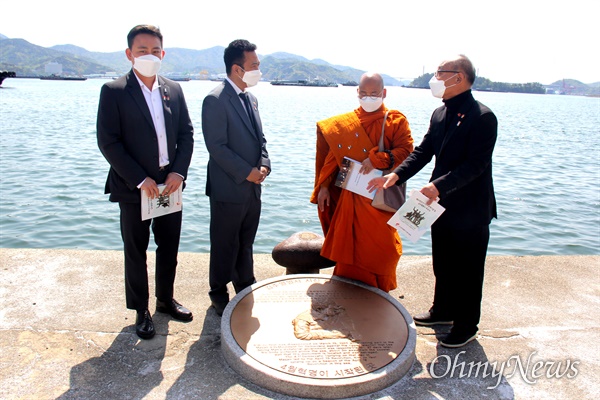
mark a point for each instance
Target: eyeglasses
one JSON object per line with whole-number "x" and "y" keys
{"x": 371, "y": 97}
{"x": 441, "y": 71}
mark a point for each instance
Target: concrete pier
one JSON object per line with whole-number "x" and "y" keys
{"x": 65, "y": 332}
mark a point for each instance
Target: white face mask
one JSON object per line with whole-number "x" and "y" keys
{"x": 370, "y": 104}
{"x": 147, "y": 65}
{"x": 251, "y": 78}
{"x": 438, "y": 88}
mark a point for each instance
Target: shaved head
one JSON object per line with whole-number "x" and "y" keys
{"x": 371, "y": 85}
{"x": 371, "y": 79}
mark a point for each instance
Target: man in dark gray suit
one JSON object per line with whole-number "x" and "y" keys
{"x": 145, "y": 134}
{"x": 238, "y": 164}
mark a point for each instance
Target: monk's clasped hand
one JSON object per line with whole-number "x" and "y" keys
{"x": 366, "y": 167}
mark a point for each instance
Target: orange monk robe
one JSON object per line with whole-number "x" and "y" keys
{"x": 357, "y": 236}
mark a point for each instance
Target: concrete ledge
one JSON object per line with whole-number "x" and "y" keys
{"x": 65, "y": 332}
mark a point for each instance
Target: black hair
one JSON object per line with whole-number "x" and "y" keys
{"x": 147, "y": 29}
{"x": 235, "y": 53}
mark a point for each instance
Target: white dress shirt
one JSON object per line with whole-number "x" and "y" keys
{"x": 156, "y": 111}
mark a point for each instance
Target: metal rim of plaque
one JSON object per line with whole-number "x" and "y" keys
{"x": 318, "y": 336}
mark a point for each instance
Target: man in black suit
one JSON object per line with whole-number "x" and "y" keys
{"x": 146, "y": 135}
{"x": 238, "y": 164}
{"x": 462, "y": 135}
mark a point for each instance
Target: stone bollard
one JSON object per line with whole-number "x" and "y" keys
{"x": 301, "y": 254}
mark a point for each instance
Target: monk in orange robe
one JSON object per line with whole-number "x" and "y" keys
{"x": 357, "y": 236}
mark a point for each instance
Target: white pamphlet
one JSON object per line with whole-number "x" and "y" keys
{"x": 415, "y": 216}
{"x": 351, "y": 179}
{"x": 161, "y": 205}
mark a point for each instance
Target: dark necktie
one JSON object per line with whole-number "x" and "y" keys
{"x": 246, "y": 100}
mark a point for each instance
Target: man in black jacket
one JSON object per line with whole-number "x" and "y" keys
{"x": 462, "y": 135}
{"x": 145, "y": 133}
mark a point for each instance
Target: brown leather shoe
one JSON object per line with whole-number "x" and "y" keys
{"x": 174, "y": 309}
{"x": 144, "y": 327}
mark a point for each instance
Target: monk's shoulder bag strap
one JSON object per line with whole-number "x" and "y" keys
{"x": 392, "y": 198}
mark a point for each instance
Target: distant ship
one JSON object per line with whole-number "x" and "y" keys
{"x": 179, "y": 77}
{"x": 350, "y": 83}
{"x": 304, "y": 82}
{"x": 54, "y": 77}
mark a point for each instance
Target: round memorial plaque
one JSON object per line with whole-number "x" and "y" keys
{"x": 318, "y": 336}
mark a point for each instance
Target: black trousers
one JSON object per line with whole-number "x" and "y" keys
{"x": 136, "y": 236}
{"x": 232, "y": 231}
{"x": 458, "y": 265}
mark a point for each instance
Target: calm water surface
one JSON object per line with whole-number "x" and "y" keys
{"x": 546, "y": 167}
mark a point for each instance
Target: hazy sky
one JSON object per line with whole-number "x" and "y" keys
{"x": 508, "y": 40}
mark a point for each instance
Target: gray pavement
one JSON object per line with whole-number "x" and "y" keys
{"x": 65, "y": 332}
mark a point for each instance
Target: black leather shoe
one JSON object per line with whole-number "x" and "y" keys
{"x": 429, "y": 319}
{"x": 174, "y": 309}
{"x": 144, "y": 327}
{"x": 219, "y": 307}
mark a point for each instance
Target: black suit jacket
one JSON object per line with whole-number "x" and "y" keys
{"x": 234, "y": 146}
{"x": 463, "y": 147}
{"x": 127, "y": 138}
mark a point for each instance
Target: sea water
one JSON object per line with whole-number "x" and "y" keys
{"x": 546, "y": 167}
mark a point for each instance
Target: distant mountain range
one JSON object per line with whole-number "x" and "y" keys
{"x": 27, "y": 59}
